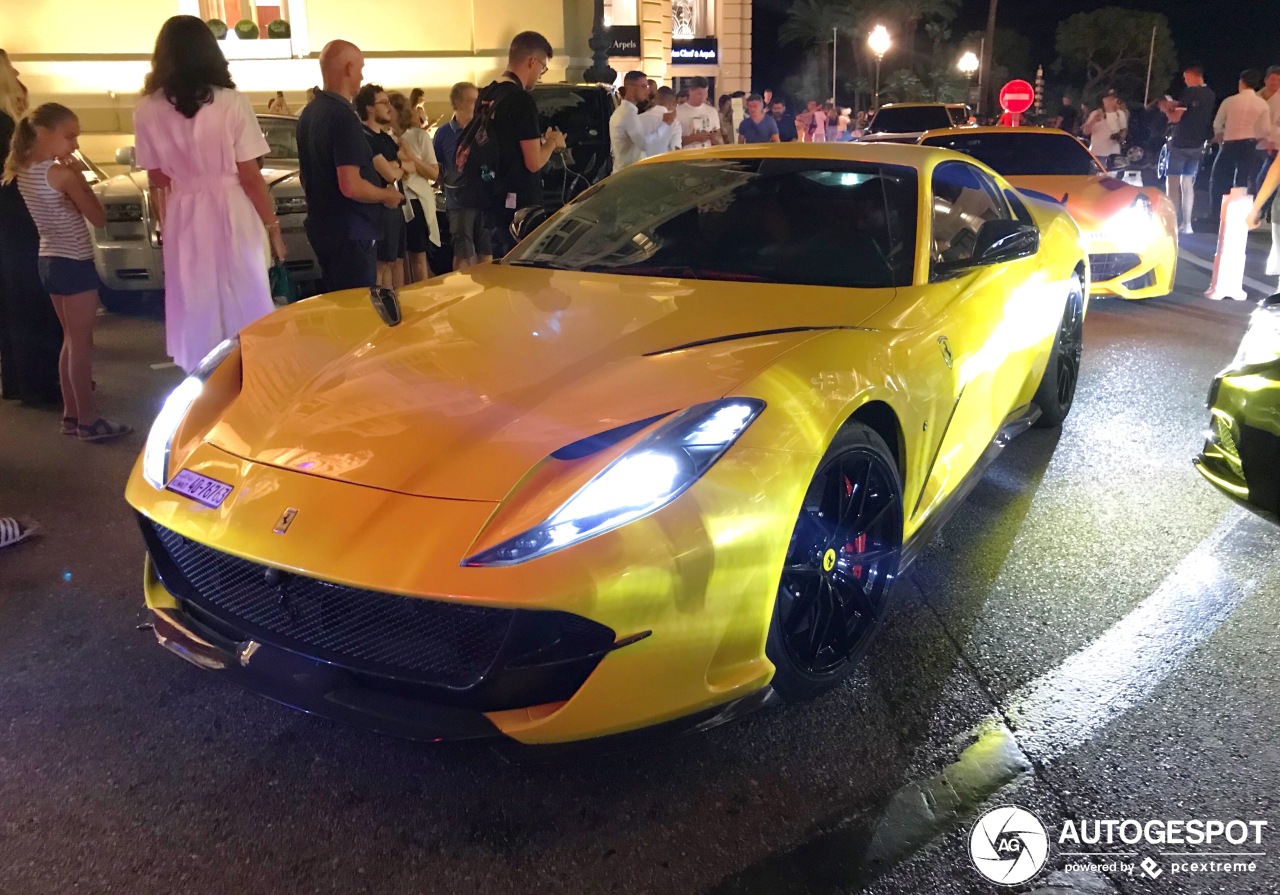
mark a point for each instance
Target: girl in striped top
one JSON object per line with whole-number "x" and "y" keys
{"x": 52, "y": 184}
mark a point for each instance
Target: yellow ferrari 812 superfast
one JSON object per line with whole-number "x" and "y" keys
{"x": 658, "y": 466}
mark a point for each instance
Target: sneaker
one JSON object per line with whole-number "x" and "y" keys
{"x": 103, "y": 430}
{"x": 1212, "y": 296}
{"x": 70, "y": 425}
{"x": 1186, "y": 228}
{"x": 1240, "y": 297}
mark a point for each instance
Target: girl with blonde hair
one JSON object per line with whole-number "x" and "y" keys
{"x": 51, "y": 181}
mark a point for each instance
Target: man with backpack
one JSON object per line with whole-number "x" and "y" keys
{"x": 502, "y": 150}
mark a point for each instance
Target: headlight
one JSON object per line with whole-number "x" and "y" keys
{"x": 649, "y": 476}
{"x": 155, "y": 456}
{"x": 1261, "y": 342}
{"x": 1134, "y": 227}
{"x": 122, "y": 212}
{"x": 291, "y": 205}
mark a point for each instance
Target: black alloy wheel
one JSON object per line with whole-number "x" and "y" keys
{"x": 840, "y": 566}
{"x": 1057, "y": 389}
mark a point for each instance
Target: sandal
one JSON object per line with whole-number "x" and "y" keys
{"x": 70, "y": 425}
{"x": 103, "y": 430}
{"x": 15, "y": 531}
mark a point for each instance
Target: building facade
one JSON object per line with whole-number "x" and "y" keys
{"x": 96, "y": 61}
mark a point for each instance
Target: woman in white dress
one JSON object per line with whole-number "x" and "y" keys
{"x": 200, "y": 143}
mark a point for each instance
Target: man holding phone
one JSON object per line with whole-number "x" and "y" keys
{"x": 1192, "y": 119}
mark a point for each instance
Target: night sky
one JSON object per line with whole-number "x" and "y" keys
{"x": 1224, "y": 35}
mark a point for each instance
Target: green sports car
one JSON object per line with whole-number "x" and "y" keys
{"x": 1241, "y": 454}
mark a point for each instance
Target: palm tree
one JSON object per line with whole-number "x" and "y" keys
{"x": 813, "y": 24}
{"x": 911, "y": 12}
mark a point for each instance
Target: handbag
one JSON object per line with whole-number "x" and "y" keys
{"x": 284, "y": 290}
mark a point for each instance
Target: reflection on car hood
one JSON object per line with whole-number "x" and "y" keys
{"x": 1090, "y": 199}
{"x": 124, "y": 186}
{"x": 493, "y": 370}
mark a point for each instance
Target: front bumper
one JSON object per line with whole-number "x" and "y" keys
{"x": 1241, "y": 454}
{"x": 129, "y": 266}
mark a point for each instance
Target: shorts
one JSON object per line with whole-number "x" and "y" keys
{"x": 469, "y": 233}
{"x": 67, "y": 276}
{"x": 1184, "y": 161}
{"x": 416, "y": 233}
{"x": 391, "y": 244}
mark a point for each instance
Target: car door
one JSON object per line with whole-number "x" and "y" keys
{"x": 979, "y": 324}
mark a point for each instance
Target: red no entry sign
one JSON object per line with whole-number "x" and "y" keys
{"x": 1017, "y": 97}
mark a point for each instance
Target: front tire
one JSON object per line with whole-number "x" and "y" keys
{"x": 840, "y": 566}
{"x": 1057, "y": 391}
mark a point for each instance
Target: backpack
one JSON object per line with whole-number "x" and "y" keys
{"x": 476, "y": 180}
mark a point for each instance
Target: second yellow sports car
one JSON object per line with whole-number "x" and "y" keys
{"x": 659, "y": 465}
{"x": 1132, "y": 232}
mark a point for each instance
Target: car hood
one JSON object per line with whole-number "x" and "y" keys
{"x": 493, "y": 370}
{"x": 1091, "y": 200}
{"x": 135, "y": 183}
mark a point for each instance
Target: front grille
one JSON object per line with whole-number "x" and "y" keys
{"x": 1109, "y": 265}
{"x": 405, "y": 637}
{"x": 1146, "y": 281}
{"x": 1223, "y": 430}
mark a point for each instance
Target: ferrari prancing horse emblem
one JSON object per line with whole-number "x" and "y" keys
{"x": 946, "y": 350}
{"x": 286, "y": 519}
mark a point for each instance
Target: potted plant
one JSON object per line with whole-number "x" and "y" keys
{"x": 218, "y": 27}
{"x": 247, "y": 29}
{"x": 279, "y": 29}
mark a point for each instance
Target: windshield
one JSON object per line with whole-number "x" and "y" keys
{"x": 910, "y": 119}
{"x": 804, "y": 221}
{"x": 1023, "y": 154}
{"x": 282, "y": 138}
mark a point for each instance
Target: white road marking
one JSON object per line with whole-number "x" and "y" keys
{"x": 1255, "y": 285}
{"x": 1065, "y": 707}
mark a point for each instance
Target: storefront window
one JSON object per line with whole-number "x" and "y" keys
{"x": 621, "y": 12}
{"x": 232, "y": 12}
{"x": 691, "y": 19}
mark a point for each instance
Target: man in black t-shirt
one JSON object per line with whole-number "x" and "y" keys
{"x": 345, "y": 196}
{"x": 1068, "y": 117}
{"x": 1192, "y": 121}
{"x": 374, "y": 108}
{"x": 523, "y": 149}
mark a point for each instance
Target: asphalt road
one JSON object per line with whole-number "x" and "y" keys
{"x": 1092, "y": 637}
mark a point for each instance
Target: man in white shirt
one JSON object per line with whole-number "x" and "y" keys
{"x": 655, "y": 116}
{"x": 1242, "y": 120}
{"x": 1105, "y": 128}
{"x": 699, "y": 122}
{"x": 629, "y": 138}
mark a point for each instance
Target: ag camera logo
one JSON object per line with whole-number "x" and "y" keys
{"x": 1009, "y": 845}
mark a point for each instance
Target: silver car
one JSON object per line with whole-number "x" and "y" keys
{"x": 127, "y": 250}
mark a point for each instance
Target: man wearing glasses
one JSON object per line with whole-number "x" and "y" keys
{"x": 523, "y": 148}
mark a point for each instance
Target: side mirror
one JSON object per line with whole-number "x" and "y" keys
{"x": 997, "y": 242}
{"x": 387, "y": 304}
{"x": 527, "y": 220}
{"x": 1001, "y": 241}
{"x": 126, "y": 155}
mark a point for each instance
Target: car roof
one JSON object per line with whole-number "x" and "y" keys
{"x": 922, "y": 105}
{"x": 969, "y": 131}
{"x": 906, "y": 155}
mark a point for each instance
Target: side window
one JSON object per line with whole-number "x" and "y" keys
{"x": 964, "y": 199}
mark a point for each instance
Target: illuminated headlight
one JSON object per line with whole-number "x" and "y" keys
{"x": 155, "y": 456}
{"x": 291, "y": 205}
{"x": 1134, "y": 227}
{"x": 122, "y": 212}
{"x": 1261, "y": 342}
{"x": 644, "y": 479}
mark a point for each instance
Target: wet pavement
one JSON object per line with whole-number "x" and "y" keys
{"x": 1092, "y": 637}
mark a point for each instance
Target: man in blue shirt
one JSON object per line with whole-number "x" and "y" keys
{"x": 467, "y": 230}
{"x": 345, "y": 195}
{"x": 786, "y": 123}
{"x": 757, "y": 127}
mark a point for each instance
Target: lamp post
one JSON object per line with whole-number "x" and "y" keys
{"x": 879, "y": 43}
{"x": 968, "y": 64}
{"x": 600, "y": 72}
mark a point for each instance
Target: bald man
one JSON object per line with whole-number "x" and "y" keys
{"x": 345, "y": 194}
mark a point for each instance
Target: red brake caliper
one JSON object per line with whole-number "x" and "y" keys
{"x": 859, "y": 544}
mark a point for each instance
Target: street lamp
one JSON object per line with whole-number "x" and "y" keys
{"x": 968, "y": 64}
{"x": 879, "y": 42}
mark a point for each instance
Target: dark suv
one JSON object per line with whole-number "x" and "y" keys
{"x": 581, "y": 112}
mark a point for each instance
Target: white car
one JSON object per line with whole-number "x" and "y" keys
{"x": 127, "y": 250}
